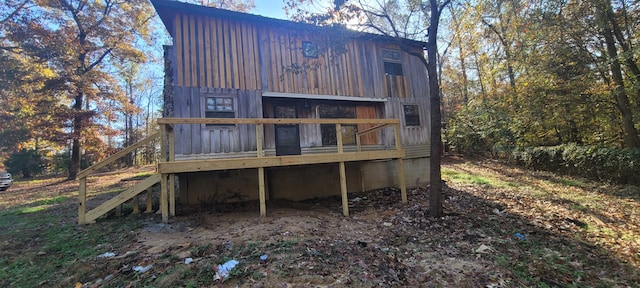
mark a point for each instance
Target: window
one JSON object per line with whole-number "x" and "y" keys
{"x": 392, "y": 62}
{"x": 219, "y": 107}
{"x": 309, "y": 50}
{"x": 393, "y": 69}
{"x": 328, "y": 131}
{"x": 411, "y": 115}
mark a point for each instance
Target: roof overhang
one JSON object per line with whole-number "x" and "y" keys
{"x": 168, "y": 9}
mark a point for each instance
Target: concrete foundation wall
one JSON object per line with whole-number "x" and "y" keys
{"x": 297, "y": 182}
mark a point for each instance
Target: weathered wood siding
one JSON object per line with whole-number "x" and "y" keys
{"x": 223, "y": 53}
{"x": 199, "y": 139}
{"x": 411, "y": 135}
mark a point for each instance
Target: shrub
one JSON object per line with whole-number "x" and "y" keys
{"x": 598, "y": 163}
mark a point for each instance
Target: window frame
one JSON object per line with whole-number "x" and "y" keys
{"x": 392, "y": 60}
{"x": 233, "y": 111}
{"x": 412, "y": 123}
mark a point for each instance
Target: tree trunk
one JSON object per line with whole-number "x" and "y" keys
{"x": 435, "y": 191}
{"x": 630, "y": 133}
{"x": 74, "y": 165}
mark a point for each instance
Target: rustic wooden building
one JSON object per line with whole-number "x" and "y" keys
{"x": 260, "y": 108}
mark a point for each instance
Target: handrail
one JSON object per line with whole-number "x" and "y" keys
{"x": 373, "y": 129}
{"x": 117, "y": 155}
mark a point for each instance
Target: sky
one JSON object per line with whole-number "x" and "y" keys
{"x": 269, "y": 8}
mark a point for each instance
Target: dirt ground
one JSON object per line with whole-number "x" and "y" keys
{"x": 504, "y": 227}
{"x": 310, "y": 244}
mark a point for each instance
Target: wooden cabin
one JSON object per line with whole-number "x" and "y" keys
{"x": 225, "y": 64}
{"x": 262, "y": 108}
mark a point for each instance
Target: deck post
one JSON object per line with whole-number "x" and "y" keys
{"x": 172, "y": 194}
{"x": 343, "y": 190}
{"x": 149, "y": 200}
{"x": 343, "y": 174}
{"x": 82, "y": 203}
{"x": 164, "y": 206}
{"x": 401, "y": 176}
{"x": 172, "y": 177}
{"x": 136, "y": 204}
{"x": 261, "y": 187}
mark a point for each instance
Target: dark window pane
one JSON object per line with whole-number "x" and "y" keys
{"x": 329, "y": 138}
{"x": 411, "y": 115}
{"x": 334, "y": 111}
{"x": 393, "y": 69}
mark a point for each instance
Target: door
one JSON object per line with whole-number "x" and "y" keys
{"x": 287, "y": 135}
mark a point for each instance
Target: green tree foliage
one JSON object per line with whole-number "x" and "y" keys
{"x": 559, "y": 71}
{"x": 27, "y": 162}
{"x": 77, "y": 40}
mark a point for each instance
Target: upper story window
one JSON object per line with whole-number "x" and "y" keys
{"x": 219, "y": 107}
{"x": 309, "y": 50}
{"x": 392, "y": 62}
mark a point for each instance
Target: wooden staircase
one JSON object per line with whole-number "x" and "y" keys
{"x": 86, "y": 217}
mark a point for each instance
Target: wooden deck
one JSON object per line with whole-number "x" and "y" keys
{"x": 169, "y": 167}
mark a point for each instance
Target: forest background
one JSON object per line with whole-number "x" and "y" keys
{"x": 551, "y": 85}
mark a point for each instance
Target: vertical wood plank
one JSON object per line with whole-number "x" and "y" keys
{"x": 276, "y": 63}
{"x": 250, "y": 68}
{"x": 343, "y": 189}
{"x": 227, "y": 54}
{"x": 215, "y": 63}
{"x": 163, "y": 143}
{"x": 192, "y": 52}
{"x": 221, "y": 53}
{"x": 257, "y": 49}
{"x": 207, "y": 51}
{"x": 359, "y": 68}
{"x": 82, "y": 201}
{"x": 179, "y": 51}
{"x": 201, "y": 59}
{"x": 263, "y": 49}
{"x": 234, "y": 56}
{"x": 239, "y": 57}
{"x": 196, "y": 130}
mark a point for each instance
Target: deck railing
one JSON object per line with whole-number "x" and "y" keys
{"x": 85, "y": 217}
{"x": 168, "y": 166}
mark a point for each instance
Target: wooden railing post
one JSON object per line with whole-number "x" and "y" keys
{"x": 343, "y": 174}
{"x": 339, "y": 137}
{"x": 261, "y": 186}
{"x": 164, "y": 205}
{"x": 82, "y": 200}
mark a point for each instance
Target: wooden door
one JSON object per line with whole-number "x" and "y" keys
{"x": 367, "y": 112}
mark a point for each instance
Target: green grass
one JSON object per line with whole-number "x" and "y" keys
{"x": 470, "y": 179}
{"x": 48, "y": 246}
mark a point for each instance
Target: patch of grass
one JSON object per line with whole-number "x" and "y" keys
{"x": 45, "y": 243}
{"x": 465, "y": 178}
